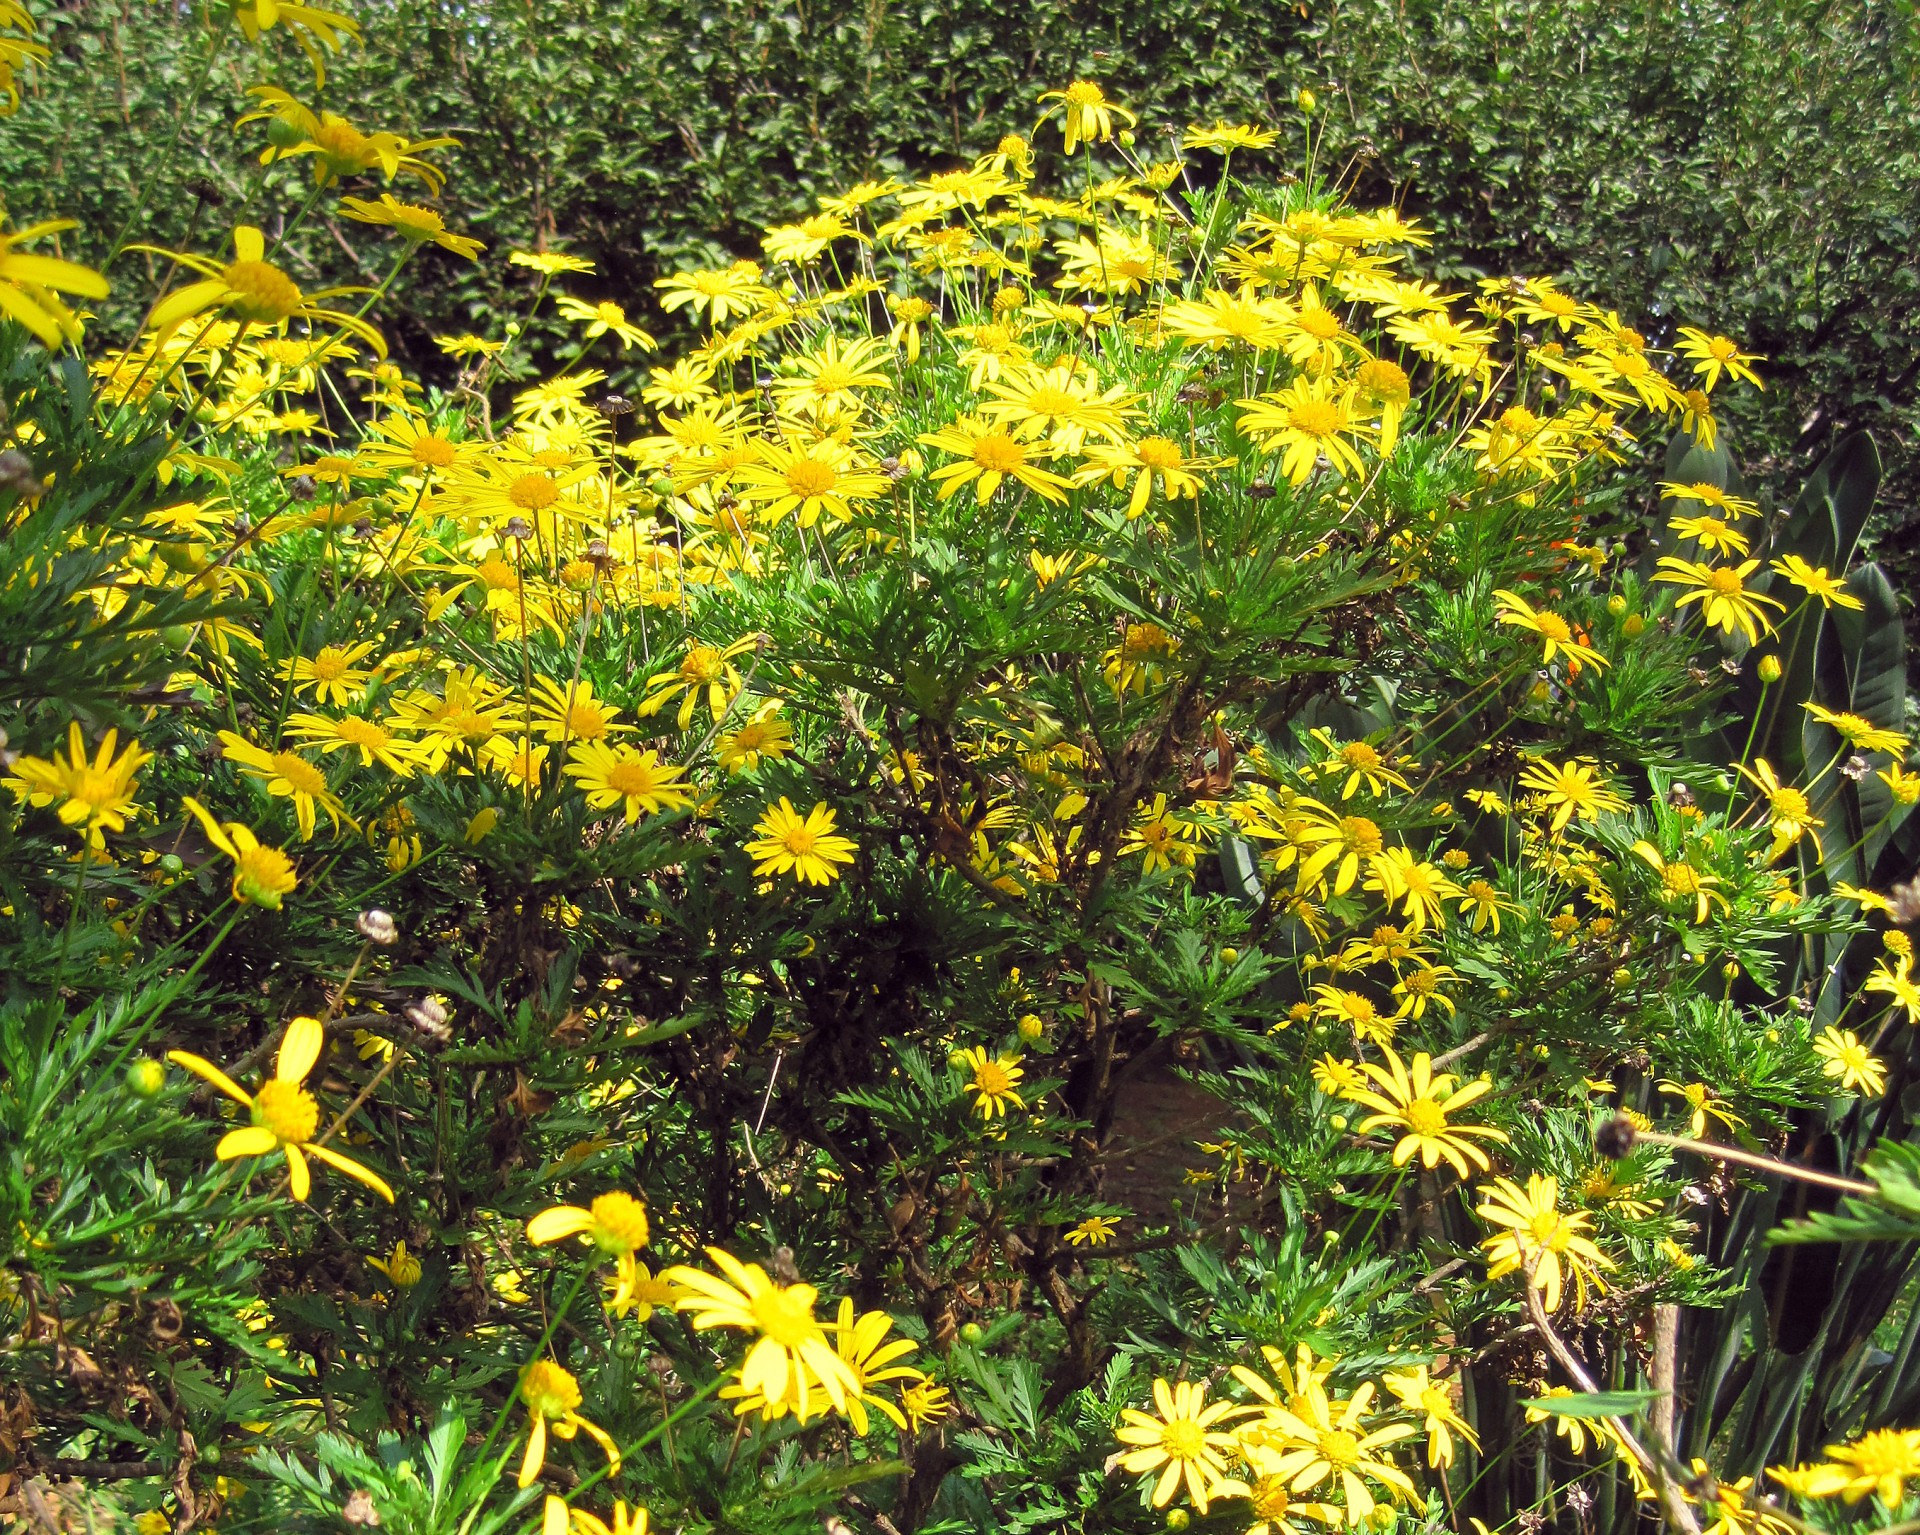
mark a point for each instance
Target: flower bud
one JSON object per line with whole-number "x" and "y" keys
{"x": 1229, "y": 956}
{"x": 1623, "y": 977}
{"x": 1031, "y": 1027}
{"x": 1178, "y": 1519}
{"x": 1634, "y": 627}
{"x": 1616, "y": 604}
{"x": 973, "y": 1334}
{"x": 1338, "y": 1121}
{"x": 145, "y": 1077}
{"x": 1769, "y": 669}
{"x": 1126, "y": 138}
{"x": 1305, "y": 98}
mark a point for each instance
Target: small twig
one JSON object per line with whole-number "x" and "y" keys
{"x": 104, "y": 1470}
{"x": 1754, "y": 1160}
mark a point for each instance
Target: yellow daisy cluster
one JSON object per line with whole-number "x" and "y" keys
{"x": 1297, "y": 1450}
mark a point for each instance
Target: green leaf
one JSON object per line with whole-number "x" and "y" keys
{"x": 1594, "y": 1404}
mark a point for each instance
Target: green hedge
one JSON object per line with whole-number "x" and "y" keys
{"x": 1754, "y": 166}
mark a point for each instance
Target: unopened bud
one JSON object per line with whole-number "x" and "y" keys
{"x": 145, "y": 1077}
{"x": 1769, "y": 669}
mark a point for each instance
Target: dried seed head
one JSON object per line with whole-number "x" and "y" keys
{"x": 1614, "y": 1139}
{"x": 17, "y": 477}
{"x": 615, "y": 405}
{"x": 519, "y": 527}
{"x": 430, "y": 1018}
{"x": 377, "y": 927}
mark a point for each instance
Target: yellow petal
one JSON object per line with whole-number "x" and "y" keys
{"x": 299, "y": 1049}
{"x": 352, "y": 1169}
{"x": 557, "y": 1224}
{"x": 210, "y": 826}
{"x": 299, "y": 1177}
{"x": 203, "y": 1068}
{"x": 247, "y": 1141}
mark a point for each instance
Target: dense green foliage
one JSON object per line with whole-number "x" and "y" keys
{"x": 1755, "y": 167}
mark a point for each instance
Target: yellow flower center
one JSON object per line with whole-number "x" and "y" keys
{"x": 1359, "y": 754}
{"x": 1158, "y": 453}
{"x": 1479, "y": 890}
{"x": 633, "y": 778}
{"x": 1725, "y": 581}
{"x": 431, "y": 451}
{"x": 1321, "y": 324}
{"x": 998, "y": 453}
{"x": 548, "y": 1390}
{"x": 1049, "y": 400}
{"x": 88, "y": 786}
{"x": 415, "y": 222}
{"x": 1315, "y": 418}
{"x": 1269, "y": 1498}
{"x": 1425, "y": 1117}
{"x": 831, "y": 378}
{"x": 1383, "y": 380}
{"x": 533, "y": 492}
{"x": 1183, "y": 1439}
{"x": 330, "y": 665}
{"x": 619, "y": 1223}
{"x": 1084, "y": 93}
{"x": 262, "y": 875}
{"x": 1720, "y": 349}
{"x": 784, "y": 1317}
{"x": 702, "y": 665}
{"x": 344, "y": 144}
{"x": 288, "y": 1110}
{"x": 1545, "y": 1229}
{"x": 586, "y": 720}
{"x": 363, "y": 733}
{"x": 1559, "y": 304}
{"x": 1789, "y": 805}
{"x": 1360, "y": 835}
{"x": 299, "y": 774}
{"x": 259, "y": 291}
{"x": 1339, "y": 1448}
{"x": 991, "y": 1077}
{"x": 1680, "y": 879}
{"x": 811, "y": 477}
{"x": 1553, "y": 627}
{"x": 1423, "y": 982}
{"x": 610, "y": 313}
{"x": 1519, "y": 420}
{"x": 497, "y": 575}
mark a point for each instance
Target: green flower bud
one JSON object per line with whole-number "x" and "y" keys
{"x": 1769, "y": 669}
{"x": 146, "y": 1076}
{"x": 1178, "y": 1519}
{"x": 1616, "y": 604}
{"x": 973, "y": 1334}
{"x": 1634, "y": 627}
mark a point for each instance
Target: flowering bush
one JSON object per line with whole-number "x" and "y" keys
{"x": 632, "y": 930}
